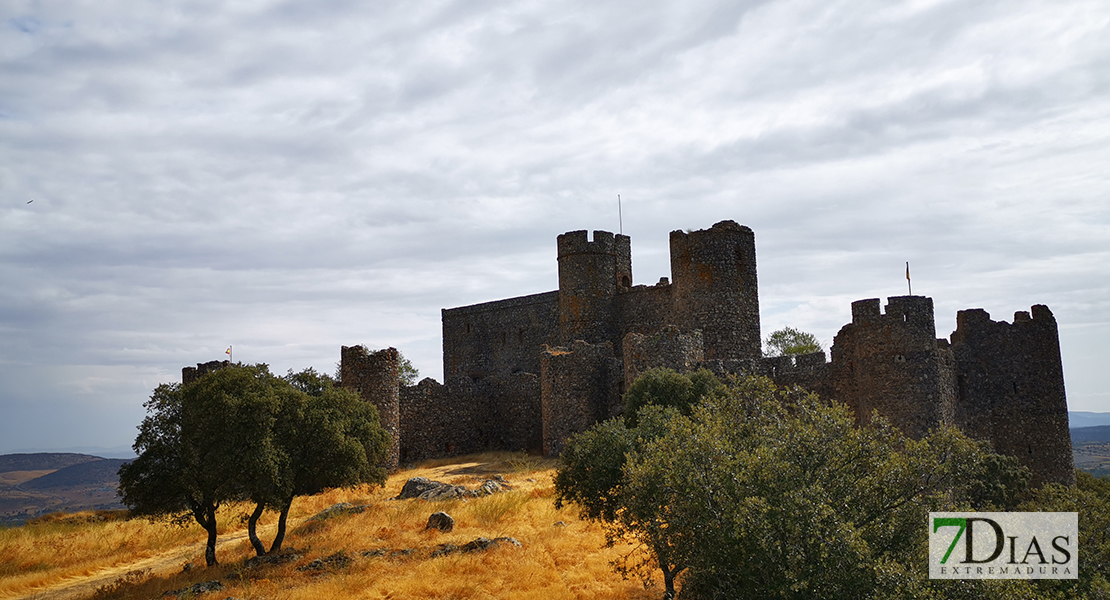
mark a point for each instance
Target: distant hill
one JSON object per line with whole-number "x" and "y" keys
{"x": 1080, "y": 419}
{"x": 98, "y": 473}
{"x": 42, "y": 461}
{"x": 36, "y": 483}
{"x": 1084, "y": 435}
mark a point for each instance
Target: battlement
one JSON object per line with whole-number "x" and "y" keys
{"x": 604, "y": 242}
{"x": 191, "y": 374}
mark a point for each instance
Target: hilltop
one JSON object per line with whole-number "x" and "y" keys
{"x": 377, "y": 548}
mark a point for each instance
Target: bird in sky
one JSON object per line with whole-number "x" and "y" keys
{"x": 30, "y": 201}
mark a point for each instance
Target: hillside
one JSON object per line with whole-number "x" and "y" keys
{"x": 33, "y": 484}
{"x": 379, "y": 548}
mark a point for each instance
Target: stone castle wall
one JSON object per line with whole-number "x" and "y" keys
{"x": 528, "y": 372}
{"x": 498, "y": 338}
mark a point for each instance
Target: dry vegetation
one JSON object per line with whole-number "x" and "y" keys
{"x": 555, "y": 562}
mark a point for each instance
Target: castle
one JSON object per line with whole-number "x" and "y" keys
{"x": 528, "y": 372}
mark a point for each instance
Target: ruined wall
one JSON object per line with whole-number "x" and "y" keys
{"x": 1011, "y": 389}
{"x": 579, "y": 387}
{"x": 667, "y": 348}
{"x": 375, "y": 377}
{"x": 645, "y": 309}
{"x": 892, "y": 363}
{"x": 809, "y": 371}
{"x": 590, "y": 274}
{"x": 191, "y": 374}
{"x": 716, "y": 289}
{"x": 439, "y": 420}
{"x": 498, "y": 338}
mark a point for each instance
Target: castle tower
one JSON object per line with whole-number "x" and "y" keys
{"x": 892, "y": 363}
{"x": 1011, "y": 389}
{"x": 191, "y": 374}
{"x": 375, "y": 377}
{"x": 715, "y": 289}
{"x": 590, "y": 274}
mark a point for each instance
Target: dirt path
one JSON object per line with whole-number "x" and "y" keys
{"x": 84, "y": 586}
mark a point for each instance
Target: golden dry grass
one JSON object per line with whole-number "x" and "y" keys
{"x": 553, "y": 563}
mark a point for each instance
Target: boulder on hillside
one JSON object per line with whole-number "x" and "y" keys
{"x": 441, "y": 521}
{"x": 427, "y": 489}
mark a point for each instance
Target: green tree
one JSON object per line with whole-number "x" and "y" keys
{"x": 666, "y": 387}
{"x": 592, "y": 475}
{"x": 327, "y": 437}
{"x": 202, "y": 445}
{"x": 772, "y": 493}
{"x": 409, "y": 373}
{"x": 788, "y": 341}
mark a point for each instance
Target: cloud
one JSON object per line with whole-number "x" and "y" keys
{"x": 290, "y": 177}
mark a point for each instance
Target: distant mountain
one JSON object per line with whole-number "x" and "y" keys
{"x": 1087, "y": 435}
{"x": 36, "y": 483}
{"x": 42, "y": 461}
{"x": 1080, "y": 419}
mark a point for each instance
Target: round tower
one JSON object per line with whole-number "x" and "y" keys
{"x": 590, "y": 274}
{"x": 375, "y": 376}
{"x": 715, "y": 289}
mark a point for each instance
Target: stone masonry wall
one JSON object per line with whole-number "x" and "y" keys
{"x": 374, "y": 376}
{"x": 892, "y": 363}
{"x": 439, "y": 420}
{"x": 667, "y": 348}
{"x": 498, "y": 338}
{"x": 1011, "y": 389}
{"x": 579, "y": 387}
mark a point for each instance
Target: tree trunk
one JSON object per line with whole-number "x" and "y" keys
{"x": 670, "y": 573}
{"x": 206, "y": 517}
{"x": 280, "y": 537}
{"x": 252, "y": 529}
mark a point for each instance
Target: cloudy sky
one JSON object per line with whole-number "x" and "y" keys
{"x": 290, "y": 177}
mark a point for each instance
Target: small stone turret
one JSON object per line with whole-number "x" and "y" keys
{"x": 375, "y": 377}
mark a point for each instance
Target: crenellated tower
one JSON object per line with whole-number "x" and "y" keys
{"x": 590, "y": 275}
{"x": 716, "y": 290}
{"x": 893, "y": 363}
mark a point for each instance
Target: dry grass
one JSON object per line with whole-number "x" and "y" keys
{"x": 553, "y": 563}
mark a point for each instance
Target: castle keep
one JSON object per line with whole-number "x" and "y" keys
{"x": 526, "y": 373}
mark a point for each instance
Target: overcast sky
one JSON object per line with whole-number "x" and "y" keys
{"x": 290, "y": 177}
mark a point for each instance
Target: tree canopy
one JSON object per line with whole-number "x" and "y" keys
{"x": 789, "y": 341}
{"x": 764, "y": 492}
{"x": 241, "y": 433}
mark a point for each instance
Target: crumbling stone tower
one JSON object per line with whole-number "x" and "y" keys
{"x": 375, "y": 377}
{"x": 1011, "y": 389}
{"x": 191, "y": 374}
{"x": 716, "y": 289}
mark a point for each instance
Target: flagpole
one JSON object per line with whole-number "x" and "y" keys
{"x": 620, "y": 215}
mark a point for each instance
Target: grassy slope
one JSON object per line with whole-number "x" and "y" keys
{"x": 554, "y": 562}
